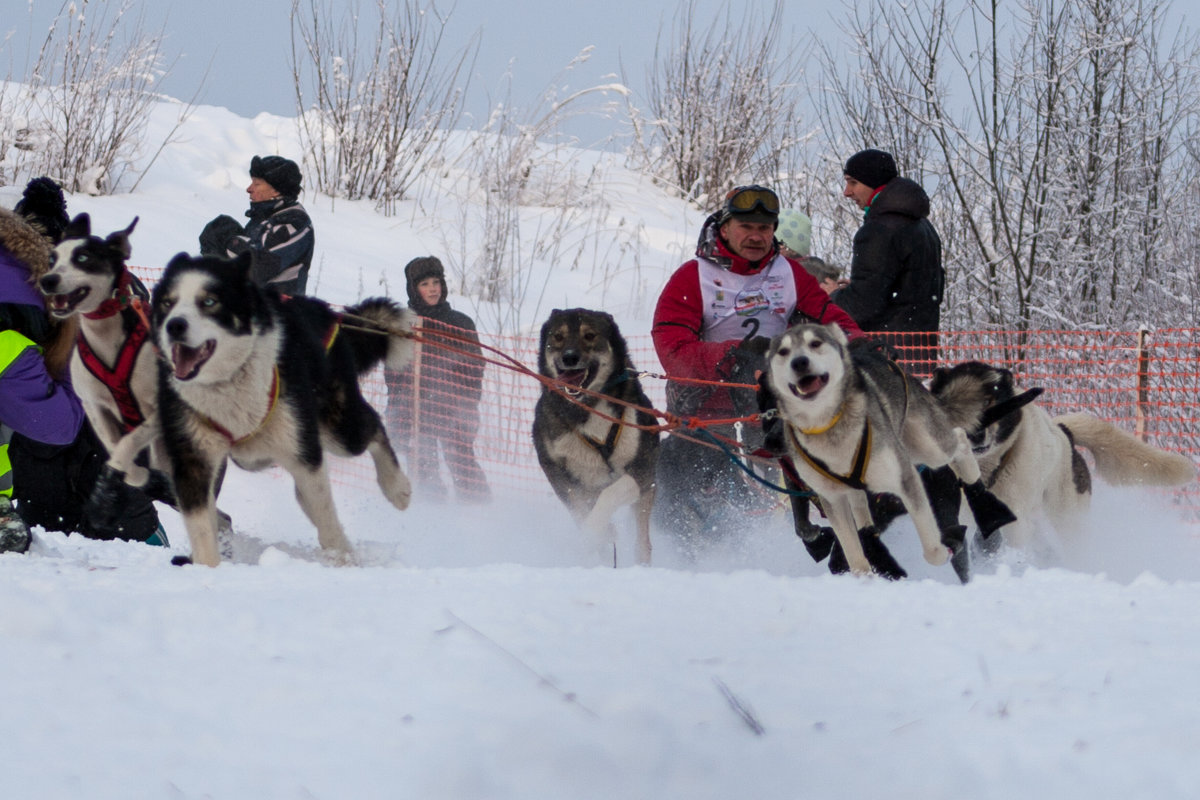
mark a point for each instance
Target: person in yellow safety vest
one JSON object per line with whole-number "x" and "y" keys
{"x": 49, "y": 456}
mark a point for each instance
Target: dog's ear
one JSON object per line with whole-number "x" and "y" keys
{"x": 1005, "y": 407}
{"x": 177, "y": 261}
{"x": 78, "y": 228}
{"x": 938, "y": 378}
{"x": 119, "y": 240}
{"x": 837, "y": 334}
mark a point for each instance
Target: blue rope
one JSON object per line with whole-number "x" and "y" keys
{"x": 742, "y": 466}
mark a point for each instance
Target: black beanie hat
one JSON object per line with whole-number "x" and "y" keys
{"x": 871, "y": 168}
{"x": 43, "y": 206}
{"x": 281, "y": 173}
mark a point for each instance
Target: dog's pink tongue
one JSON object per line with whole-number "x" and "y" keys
{"x": 811, "y": 384}
{"x": 573, "y": 377}
{"x": 187, "y": 360}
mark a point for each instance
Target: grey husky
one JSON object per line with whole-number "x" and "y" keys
{"x": 855, "y": 422}
{"x": 1030, "y": 461}
{"x": 595, "y": 464}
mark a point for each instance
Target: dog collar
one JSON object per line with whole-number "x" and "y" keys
{"x": 119, "y": 300}
{"x": 826, "y": 427}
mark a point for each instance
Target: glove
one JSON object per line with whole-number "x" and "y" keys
{"x": 214, "y": 239}
{"x": 749, "y": 357}
{"x": 759, "y": 345}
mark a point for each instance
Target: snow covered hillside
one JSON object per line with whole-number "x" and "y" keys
{"x": 479, "y": 653}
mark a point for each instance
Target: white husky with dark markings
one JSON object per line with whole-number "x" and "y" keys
{"x": 260, "y": 379}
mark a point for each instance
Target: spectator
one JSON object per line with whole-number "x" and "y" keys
{"x": 827, "y": 275}
{"x": 49, "y": 456}
{"x": 279, "y": 235}
{"x": 794, "y": 233}
{"x": 896, "y": 277}
{"x": 713, "y": 322}
{"x": 435, "y": 404}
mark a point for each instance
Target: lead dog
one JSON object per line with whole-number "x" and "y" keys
{"x": 595, "y": 465}
{"x": 1030, "y": 461}
{"x": 855, "y": 422}
{"x": 249, "y": 376}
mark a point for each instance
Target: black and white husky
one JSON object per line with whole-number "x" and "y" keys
{"x": 250, "y": 376}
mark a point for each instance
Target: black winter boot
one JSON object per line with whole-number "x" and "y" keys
{"x": 14, "y": 533}
{"x": 991, "y": 514}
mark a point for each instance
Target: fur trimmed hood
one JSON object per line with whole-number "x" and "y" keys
{"x": 25, "y": 243}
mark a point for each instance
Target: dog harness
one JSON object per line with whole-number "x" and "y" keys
{"x": 858, "y": 468}
{"x": 274, "y": 391}
{"x": 608, "y": 446}
{"x": 118, "y": 378}
{"x": 274, "y": 401}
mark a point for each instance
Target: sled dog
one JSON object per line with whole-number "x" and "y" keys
{"x": 855, "y": 422}
{"x": 595, "y": 464}
{"x": 1030, "y": 461}
{"x": 113, "y": 368}
{"x": 248, "y": 375}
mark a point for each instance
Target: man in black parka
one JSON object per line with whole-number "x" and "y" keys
{"x": 434, "y": 403}
{"x": 896, "y": 277}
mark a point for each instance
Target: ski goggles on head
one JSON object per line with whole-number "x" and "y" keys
{"x": 751, "y": 199}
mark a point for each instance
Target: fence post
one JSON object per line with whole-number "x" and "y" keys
{"x": 1143, "y": 384}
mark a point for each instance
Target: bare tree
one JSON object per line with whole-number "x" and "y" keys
{"x": 373, "y": 112}
{"x": 82, "y": 115}
{"x": 1055, "y": 160}
{"x": 536, "y": 196}
{"x": 721, "y": 103}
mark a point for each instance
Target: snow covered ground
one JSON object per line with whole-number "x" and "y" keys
{"x": 479, "y": 653}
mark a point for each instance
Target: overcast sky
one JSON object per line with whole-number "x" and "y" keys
{"x": 244, "y": 44}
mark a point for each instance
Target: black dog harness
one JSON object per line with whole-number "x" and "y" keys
{"x": 858, "y": 468}
{"x": 607, "y": 447}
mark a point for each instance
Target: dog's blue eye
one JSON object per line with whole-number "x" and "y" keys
{"x": 82, "y": 258}
{"x": 207, "y": 302}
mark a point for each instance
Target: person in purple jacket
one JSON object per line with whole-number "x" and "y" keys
{"x": 49, "y": 456}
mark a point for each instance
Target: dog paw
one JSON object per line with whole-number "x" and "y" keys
{"x": 399, "y": 493}
{"x": 137, "y": 476}
{"x": 937, "y": 555}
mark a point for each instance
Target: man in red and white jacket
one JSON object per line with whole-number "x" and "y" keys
{"x": 713, "y": 322}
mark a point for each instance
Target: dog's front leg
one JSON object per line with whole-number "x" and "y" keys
{"x": 121, "y": 457}
{"x": 198, "y": 505}
{"x": 315, "y": 496}
{"x": 841, "y": 515}
{"x": 622, "y": 492}
{"x": 912, "y": 492}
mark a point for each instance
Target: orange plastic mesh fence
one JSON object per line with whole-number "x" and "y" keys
{"x": 1146, "y": 383}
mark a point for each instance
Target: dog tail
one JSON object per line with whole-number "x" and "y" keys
{"x": 378, "y": 330}
{"x": 1124, "y": 460}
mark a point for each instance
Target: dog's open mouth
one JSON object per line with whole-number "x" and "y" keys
{"x": 188, "y": 360}
{"x": 809, "y": 385}
{"x": 62, "y": 305}
{"x": 574, "y": 379}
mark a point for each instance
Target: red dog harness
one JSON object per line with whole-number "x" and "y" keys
{"x": 119, "y": 377}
